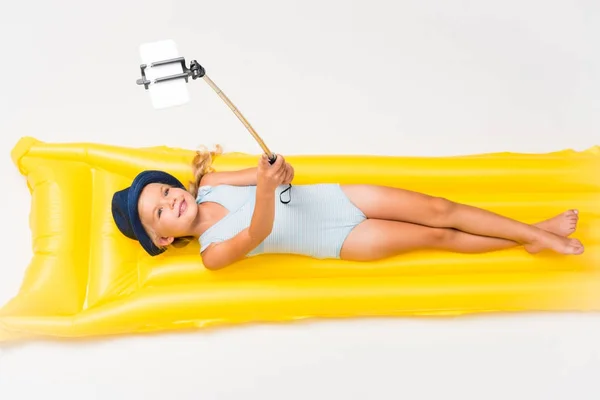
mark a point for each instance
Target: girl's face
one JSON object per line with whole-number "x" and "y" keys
{"x": 167, "y": 212}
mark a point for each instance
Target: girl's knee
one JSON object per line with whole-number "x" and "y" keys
{"x": 441, "y": 210}
{"x": 441, "y": 237}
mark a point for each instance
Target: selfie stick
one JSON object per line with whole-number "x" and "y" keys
{"x": 196, "y": 71}
{"x": 169, "y": 89}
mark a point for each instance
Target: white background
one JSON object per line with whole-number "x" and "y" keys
{"x": 312, "y": 77}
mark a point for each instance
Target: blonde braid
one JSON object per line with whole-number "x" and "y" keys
{"x": 202, "y": 165}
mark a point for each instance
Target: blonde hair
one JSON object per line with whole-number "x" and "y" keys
{"x": 202, "y": 165}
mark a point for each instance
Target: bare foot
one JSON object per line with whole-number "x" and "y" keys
{"x": 552, "y": 241}
{"x": 563, "y": 224}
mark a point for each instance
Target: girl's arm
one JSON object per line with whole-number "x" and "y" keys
{"x": 222, "y": 254}
{"x": 242, "y": 177}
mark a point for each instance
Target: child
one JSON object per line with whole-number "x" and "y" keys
{"x": 236, "y": 214}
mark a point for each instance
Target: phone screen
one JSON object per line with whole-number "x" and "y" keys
{"x": 169, "y": 93}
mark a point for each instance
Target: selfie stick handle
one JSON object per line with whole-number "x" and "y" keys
{"x": 261, "y": 143}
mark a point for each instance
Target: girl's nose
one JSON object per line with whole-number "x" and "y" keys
{"x": 168, "y": 202}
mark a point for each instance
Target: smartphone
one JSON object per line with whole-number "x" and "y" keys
{"x": 169, "y": 93}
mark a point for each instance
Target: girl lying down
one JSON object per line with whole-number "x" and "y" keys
{"x": 236, "y": 214}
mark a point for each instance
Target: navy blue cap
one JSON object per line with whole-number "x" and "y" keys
{"x": 125, "y": 207}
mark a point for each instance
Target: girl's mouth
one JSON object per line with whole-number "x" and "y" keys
{"x": 182, "y": 207}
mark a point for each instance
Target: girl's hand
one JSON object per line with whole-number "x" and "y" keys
{"x": 289, "y": 174}
{"x": 268, "y": 176}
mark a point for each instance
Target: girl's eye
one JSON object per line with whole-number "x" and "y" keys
{"x": 166, "y": 193}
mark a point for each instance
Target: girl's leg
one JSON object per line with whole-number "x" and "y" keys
{"x": 382, "y": 202}
{"x": 376, "y": 239}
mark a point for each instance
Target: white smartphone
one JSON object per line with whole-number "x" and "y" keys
{"x": 167, "y": 93}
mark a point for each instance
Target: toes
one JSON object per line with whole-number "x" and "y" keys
{"x": 577, "y": 246}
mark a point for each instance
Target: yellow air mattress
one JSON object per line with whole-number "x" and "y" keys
{"x": 86, "y": 279}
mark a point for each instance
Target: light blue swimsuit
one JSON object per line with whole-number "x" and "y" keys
{"x": 314, "y": 223}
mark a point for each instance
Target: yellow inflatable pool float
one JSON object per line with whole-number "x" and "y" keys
{"x": 87, "y": 279}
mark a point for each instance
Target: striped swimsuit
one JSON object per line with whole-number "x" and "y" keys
{"x": 314, "y": 223}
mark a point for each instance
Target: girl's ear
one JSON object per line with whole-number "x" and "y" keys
{"x": 165, "y": 241}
